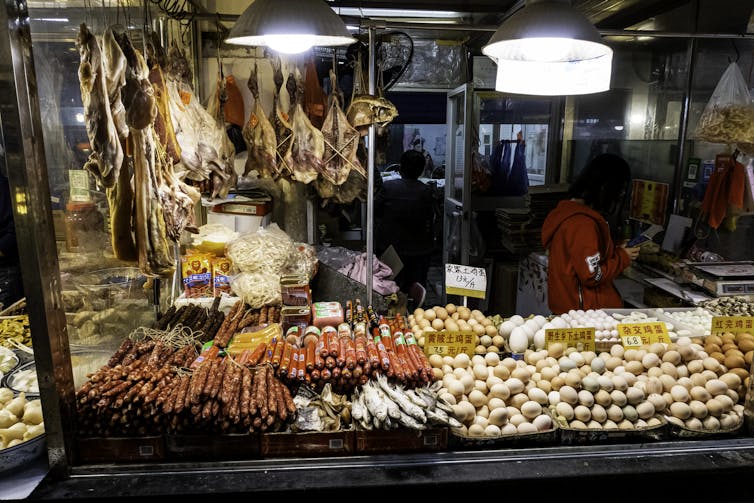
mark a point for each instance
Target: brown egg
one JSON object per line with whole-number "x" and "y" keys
{"x": 748, "y": 356}
{"x": 734, "y": 362}
{"x": 728, "y": 346}
{"x": 712, "y": 348}
{"x": 714, "y": 339}
{"x": 718, "y": 356}
{"x": 746, "y": 344}
{"x": 740, "y": 372}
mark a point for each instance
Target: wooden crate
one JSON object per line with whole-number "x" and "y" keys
{"x": 119, "y": 449}
{"x": 282, "y": 445}
{"x": 400, "y": 440}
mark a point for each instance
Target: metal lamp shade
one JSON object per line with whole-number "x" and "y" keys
{"x": 547, "y": 48}
{"x": 312, "y": 18}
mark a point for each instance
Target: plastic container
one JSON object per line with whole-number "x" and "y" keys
{"x": 84, "y": 226}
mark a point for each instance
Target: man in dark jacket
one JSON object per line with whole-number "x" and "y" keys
{"x": 404, "y": 213}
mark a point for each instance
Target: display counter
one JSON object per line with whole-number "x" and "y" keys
{"x": 553, "y": 470}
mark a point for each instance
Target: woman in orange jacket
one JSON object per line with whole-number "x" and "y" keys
{"x": 583, "y": 259}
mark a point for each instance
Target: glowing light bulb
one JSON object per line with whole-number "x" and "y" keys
{"x": 289, "y": 44}
{"x": 546, "y": 49}
{"x": 80, "y": 117}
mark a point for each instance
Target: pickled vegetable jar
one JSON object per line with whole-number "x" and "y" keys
{"x": 83, "y": 221}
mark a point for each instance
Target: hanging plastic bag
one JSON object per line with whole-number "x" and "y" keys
{"x": 729, "y": 114}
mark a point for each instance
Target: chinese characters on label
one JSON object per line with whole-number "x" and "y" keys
{"x": 579, "y": 338}
{"x": 734, "y": 324}
{"x": 634, "y": 335}
{"x": 465, "y": 280}
{"x": 449, "y": 343}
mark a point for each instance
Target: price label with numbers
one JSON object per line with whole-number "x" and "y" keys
{"x": 733, "y": 324}
{"x": 579, "y": 338}
{"x": 465, "y": 281}
{"x": 449, "y": 343}
{"x": 634, "y": 335}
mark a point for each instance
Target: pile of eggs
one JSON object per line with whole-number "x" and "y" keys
{"x": 492, "y": 398}
{"x": 454, "y": 318}
{"x": 695, "y": 321}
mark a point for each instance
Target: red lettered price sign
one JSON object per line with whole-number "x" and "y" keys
{"x": 465, "y": 281}
{"x": 448, "y": 343}
{"x": 635, "y": 335}
{"x": 732, "y": 324}
{"x": 579, "y": 338}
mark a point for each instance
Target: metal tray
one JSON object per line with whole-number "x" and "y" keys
{"x": 676, "y": 431}
{"x": 577, "y": 436}
{"x": 539, "y": 438}
{"x": 10, "y": 377}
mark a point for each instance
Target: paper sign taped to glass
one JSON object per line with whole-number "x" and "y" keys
{"x": 648, "y": 201}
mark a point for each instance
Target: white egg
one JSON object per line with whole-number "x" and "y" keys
{"x": 541, "y": 320}
{"x": 539, "y": 339}
{"x": 517, "y": 320}
{"x": 518, "y": 340}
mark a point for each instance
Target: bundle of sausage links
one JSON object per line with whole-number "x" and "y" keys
{"x": 148, "y": 387}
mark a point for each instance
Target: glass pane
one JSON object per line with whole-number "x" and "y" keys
{"x": 105, "y": 298}
{"x": 458, "y": 128}
{"x": 513, "y": 133}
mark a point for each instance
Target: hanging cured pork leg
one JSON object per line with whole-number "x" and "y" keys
{"x": 115, "y": 78}
{"x": 307, "y": 148}
{"x": 107, "y": 153}
{"x": 154, "y": 251}
{"x": 260, "y": 136}
{"x": 280, "y": 121}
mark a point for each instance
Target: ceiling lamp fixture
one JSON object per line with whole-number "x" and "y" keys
{"x": 547, "y": 48}
{"x": 290, "y": 26}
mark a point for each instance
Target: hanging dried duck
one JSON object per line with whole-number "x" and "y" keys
{"x": 341, "y": 140}
{"x": 280, "y": 120}
{"x": 315, "y": 98}
{"x": 259, "y": 135}
{"x": 107, "y": 153}
{"x": 307, "y": 148}
{"x": 205, "y": 150}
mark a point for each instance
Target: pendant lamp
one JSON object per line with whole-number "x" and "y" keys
{"x": 289, "y": 26}
{"x": 548, "y": 48}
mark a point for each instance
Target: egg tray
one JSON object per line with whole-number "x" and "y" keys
{"x": 578, "y": 436}
{"x": 534, "y": 439}
{"x": 676, "y": 431}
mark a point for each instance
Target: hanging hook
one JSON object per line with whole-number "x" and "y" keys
{"x": 735, "y": 48}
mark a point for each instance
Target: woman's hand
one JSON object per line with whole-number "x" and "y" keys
{"x": 632, "y": 251}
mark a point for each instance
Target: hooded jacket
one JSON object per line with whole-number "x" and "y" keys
{"x": 583, "y": 260}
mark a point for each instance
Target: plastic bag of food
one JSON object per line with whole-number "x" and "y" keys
{"x": 257, "y": 289}
{"x": 729, "y": 114}
{"x": 268, "y": 249}
{"x": 303, "y": 261}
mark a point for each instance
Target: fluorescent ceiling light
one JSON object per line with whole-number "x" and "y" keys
{"x": 383, "y": 13}
{"x": 547, "y": 48}
{"x": 51, "y": 19}
{"x": 290, "y": 26}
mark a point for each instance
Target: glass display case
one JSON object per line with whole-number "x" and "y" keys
{"x": 43, "y": 143}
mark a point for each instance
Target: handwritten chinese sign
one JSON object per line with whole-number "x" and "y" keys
{"x": 579, "y": 338}
{"x": 465, "y": 281}
{"x": 635, "y": 335}
{"x": 733, "y": 324}
{"x": 449, "y": 343}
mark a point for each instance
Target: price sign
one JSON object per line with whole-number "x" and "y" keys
{"x": 465, "y": 281}
{"x": 448, "y": 343}
{"x": 78, "y": 179}
{"x": 733, "y": 324}
{"x": 579, "y": 338}
{"x": 635, "y": 335}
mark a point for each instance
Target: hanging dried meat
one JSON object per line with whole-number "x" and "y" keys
{"x": 315, "y": 99}
{"x": 206, "y": 152}
{"x": 259, "y": 135}
{"x": 307, "y": 148}
{"x": 222, "y": 182}
{"x": 280, "y": 120}
{"x": 107, "y": 153}
{"x": 155, "y": 253}
{"x": 341, "y": 141}
{"x": 120, "y": 197}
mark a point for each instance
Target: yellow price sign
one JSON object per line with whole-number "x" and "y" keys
{"x": 449, "y": 343}
{"x": 579, "y": 338}
{"x": 635, "y": 335}
{"x": 733, "y": 324}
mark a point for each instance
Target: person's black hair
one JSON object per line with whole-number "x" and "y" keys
{"x": 603, "y": 183}
{"x": 412, "y": 164}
